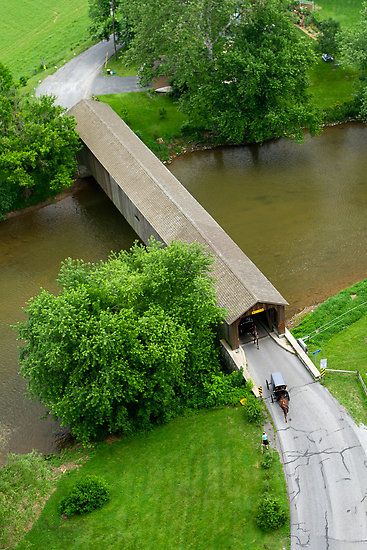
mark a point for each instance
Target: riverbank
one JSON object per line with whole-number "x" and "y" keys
{"x": 157, "y": 121}
{"x": 336, "y": 330}
{"x": 78, "y": 185}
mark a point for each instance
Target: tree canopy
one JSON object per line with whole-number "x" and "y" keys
{"x": 128, "y": 342}
{"x": 38, "y": 145}
{"x": 239, "y": 67}
{"x": 354, "y": 53}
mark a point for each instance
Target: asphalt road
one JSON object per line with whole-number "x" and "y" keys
{"x": 80, "y": 78}
{"x": 323, "y": 457}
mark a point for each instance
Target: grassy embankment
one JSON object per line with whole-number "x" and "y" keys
{"x": 47, "y": 32}
{"x": 193, "y": 483}
{"x": 338, "y": 327}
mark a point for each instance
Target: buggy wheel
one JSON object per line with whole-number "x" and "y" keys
{"x": 267, "y": 384}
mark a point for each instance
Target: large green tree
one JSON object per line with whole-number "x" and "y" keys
{"x": 354, "y": 53}
{"x": 107, "y": 19}
{"x": 38, "y": 145}
{"x": 128, "y": 342}
{"x": 240, "y": 66}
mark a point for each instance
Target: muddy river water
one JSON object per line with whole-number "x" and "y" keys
{"x": 298, "y": 211}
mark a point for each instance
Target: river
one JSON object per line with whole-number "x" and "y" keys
{"x": 298, "y": 211}
{"x": 32, "y": 245}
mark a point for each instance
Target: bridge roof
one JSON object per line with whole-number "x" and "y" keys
{"x": 169, "y": 207}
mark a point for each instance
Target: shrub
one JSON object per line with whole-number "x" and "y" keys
{"x": 253, "y": 410}
{"x": 267, "y": 460}
{"x": 87, "y": 495}
{"x": 270, "y": 514}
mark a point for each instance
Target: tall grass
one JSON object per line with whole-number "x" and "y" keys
{"x": 25, "y": 483}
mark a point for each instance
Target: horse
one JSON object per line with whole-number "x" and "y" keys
{"x": 284, "y": 405}
{"x": 255, "y": 337}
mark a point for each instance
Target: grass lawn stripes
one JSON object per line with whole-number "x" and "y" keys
{"x": 33, "y": 33}
{"x": 191, "y": 484}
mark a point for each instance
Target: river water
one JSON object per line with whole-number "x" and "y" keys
{"x": 298, "y": 211}
{"x": 84, "y": 225}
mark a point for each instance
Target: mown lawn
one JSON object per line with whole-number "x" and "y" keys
{"x": 347, "y": 389}
{"x": 191, "y": 484}
{"x": 119, "y": 66}
{"x": 345, "y": 11}
{"x": 154, "y": 118}
{"x": 331, "y": 84}
{"x": 33, "y": 33}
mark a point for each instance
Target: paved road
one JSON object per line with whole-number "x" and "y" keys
{"x": 80, "y": 78}
{"x": 324, "y": 461}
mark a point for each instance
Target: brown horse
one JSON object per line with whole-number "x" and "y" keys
{"x": 255, "y": 336}
{"x": 284, "y": 405}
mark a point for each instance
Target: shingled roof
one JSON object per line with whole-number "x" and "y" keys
{"x": 169, "y": 207}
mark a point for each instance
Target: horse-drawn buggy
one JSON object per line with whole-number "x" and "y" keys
{"x": 278, "y": 392}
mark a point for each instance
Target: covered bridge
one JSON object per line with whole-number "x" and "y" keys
{"x": 155, "y": 203}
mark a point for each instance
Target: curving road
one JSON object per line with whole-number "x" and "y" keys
{"x": 80, "y": 78}
{"x": 323, "y": 455}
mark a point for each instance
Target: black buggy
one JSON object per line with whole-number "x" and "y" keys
{"x": 277, "y": 387}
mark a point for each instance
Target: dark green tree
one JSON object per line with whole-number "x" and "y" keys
{"x": 37, "y": 147}
{"x": 240, "y": 67}
{"x": 104, "y": 20}
{"x": 127, "y": 343}
{"x": 329, "y": 38}
{"x": 354, "y": 53}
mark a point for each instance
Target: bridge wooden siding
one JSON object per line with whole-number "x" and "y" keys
{"x": 155, "y": 203}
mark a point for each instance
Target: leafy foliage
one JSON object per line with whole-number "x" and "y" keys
{"x": 88, "y": 494}
{"x": 239, "y": 68}
{"x": 328, "y": 41}
{"x": 267, "y": 459}
{"x": 270, "y": 513}
{"x": 128, "y": 343}
{"x": 106, "y": 20}
{"x": 253, "y": 410}
{"x": 354, "y": 43}
{"x": 37, "y": 147}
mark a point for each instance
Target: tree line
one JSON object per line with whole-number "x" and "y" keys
{"x": 238, "y": 67}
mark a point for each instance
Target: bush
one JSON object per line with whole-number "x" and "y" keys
{"x": 87, "y": 495}
{"x": 267, "y": 460}
{"x": 253, "y": 410}
{"x": 270, "y": 514}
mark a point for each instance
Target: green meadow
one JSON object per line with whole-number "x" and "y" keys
{"x": 46, "y": 32}
{"x": 194, "y": 483}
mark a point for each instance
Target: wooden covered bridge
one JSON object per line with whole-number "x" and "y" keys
{"x": 155, "y": 203}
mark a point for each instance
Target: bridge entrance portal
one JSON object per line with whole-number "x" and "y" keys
{"x": 262, "y": 317}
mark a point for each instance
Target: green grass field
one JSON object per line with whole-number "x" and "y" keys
{"x": 41, "y": 32}
{"x": 191, "y": 484}
{"x": 345, "y": 11}
{"x": 151, "y": 116}
{"x": 339, "y": 327}
{"x": 119, "y": 66}
{"x": 331, "y": 84}
{"x": 349, "y": 392}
